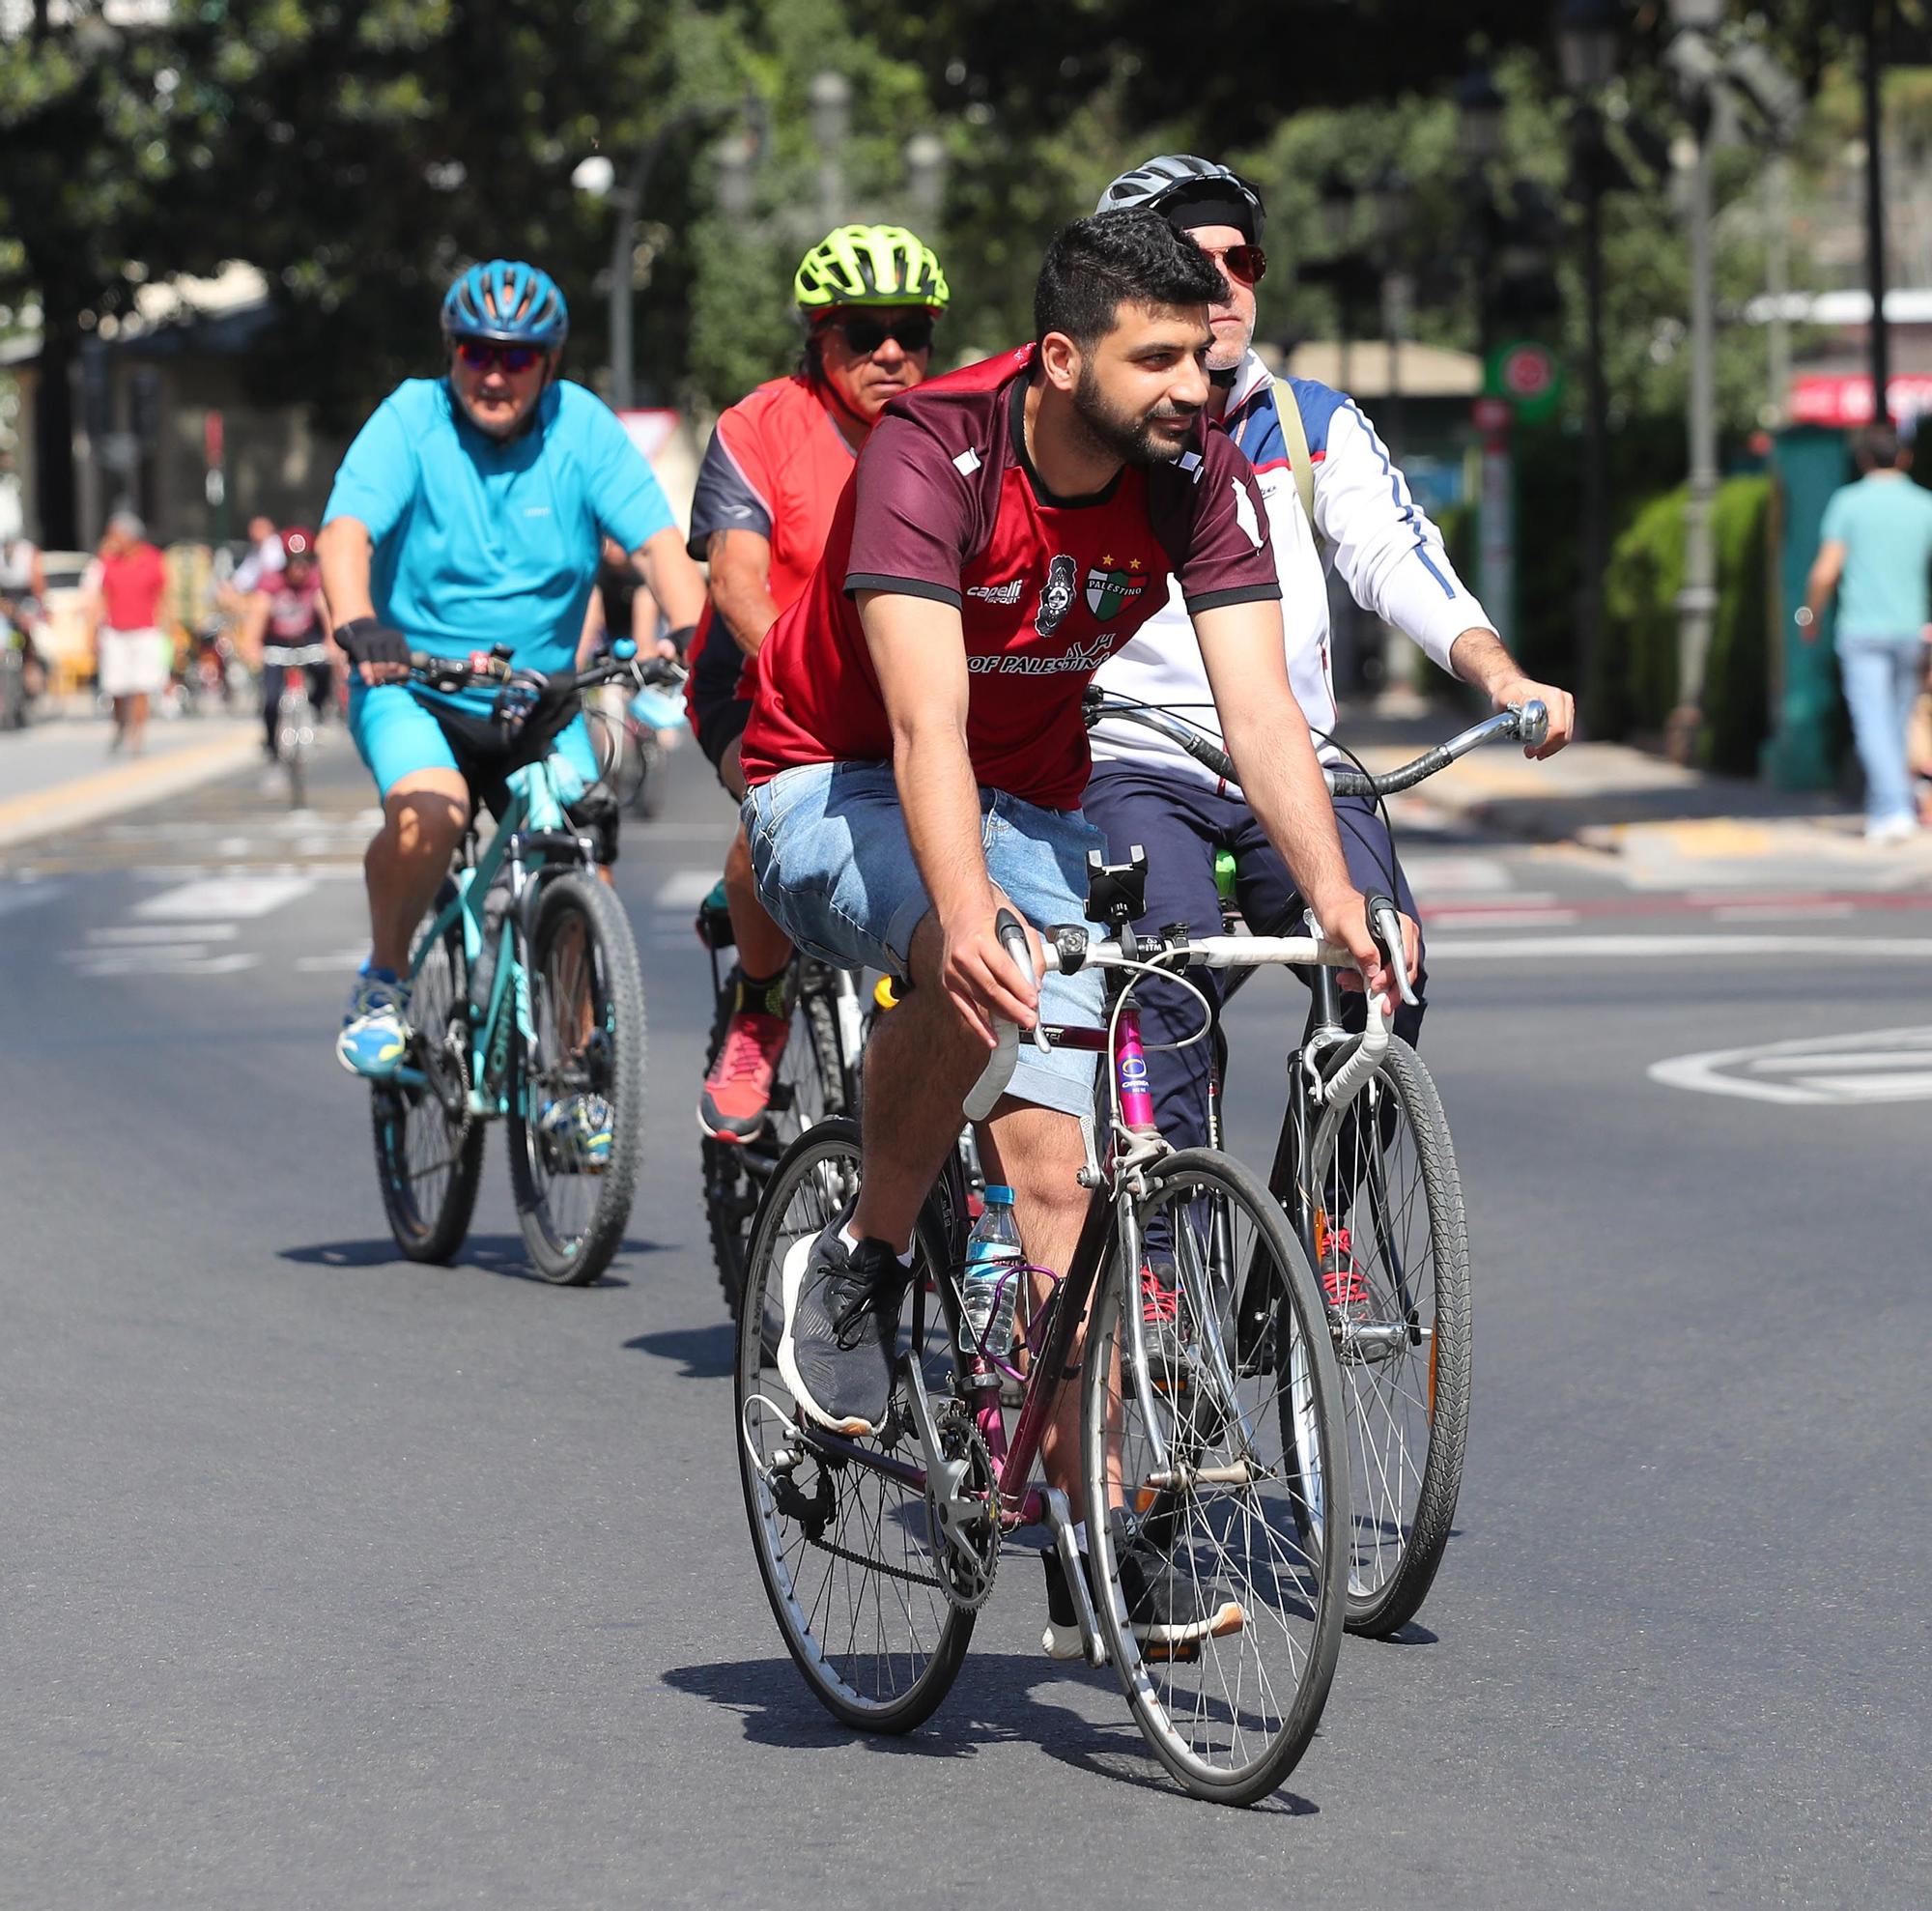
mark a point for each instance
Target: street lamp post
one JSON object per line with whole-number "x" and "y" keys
{"x": 828, "y": 100}
{"x": 1696, "y": 20}
{"x": 1587, "y": 41}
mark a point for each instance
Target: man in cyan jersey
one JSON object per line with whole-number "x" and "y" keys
{"x": 468, "y": 513}
{"x": 916, "y": 757}
{"x": 766, "y": 491}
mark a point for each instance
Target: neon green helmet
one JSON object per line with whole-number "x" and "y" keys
{"x": 869, "y": 265}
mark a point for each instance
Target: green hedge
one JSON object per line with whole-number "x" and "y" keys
{"x": 1638, "y": 685}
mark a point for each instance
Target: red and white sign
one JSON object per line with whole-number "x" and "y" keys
{"x": 1527, "y": 371}
{"x": 1843, "y": 399}
{"x": 650, "y": 430}
{"x": 1492, "y": 415}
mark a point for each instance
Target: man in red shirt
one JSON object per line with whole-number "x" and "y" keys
{"x": 916, "y": 752}
{"x": 771, "y": 478}
{"x": 126, "y": 583}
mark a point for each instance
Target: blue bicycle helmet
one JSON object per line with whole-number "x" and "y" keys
{"x": 508, "y": 303}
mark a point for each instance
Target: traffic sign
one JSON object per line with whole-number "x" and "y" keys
{"x": 1527, "y": 374}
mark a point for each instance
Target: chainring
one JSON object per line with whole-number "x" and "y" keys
{"x": 968, "y": 1565}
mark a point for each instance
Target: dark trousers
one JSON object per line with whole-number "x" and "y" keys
{"x": 1180, "y": 824}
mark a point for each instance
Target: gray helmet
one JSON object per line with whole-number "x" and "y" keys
{"x": 1179, "y": 176}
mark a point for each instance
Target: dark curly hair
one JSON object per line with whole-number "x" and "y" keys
{"x": 1096, "y": 264}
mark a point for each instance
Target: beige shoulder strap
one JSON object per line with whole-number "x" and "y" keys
{"x": 1294, "y": 435}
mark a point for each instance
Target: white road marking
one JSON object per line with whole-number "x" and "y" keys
{"x": 344, "y": 962}
{"x": 685, "y": 890}
{"x": 184, "y": 959}
{"x": 1462, "y": 875}
{"x": 1876, "y": 1066}
{"x": 161, "y": 933}
{"x": 217, "y": 898}
{"x": 1495, "y": 919}
{"x": 1605, "y": 948}
{"x": 1779, "y": 912}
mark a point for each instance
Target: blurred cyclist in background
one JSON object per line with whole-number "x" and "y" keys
{"x": 285, "y": 615}
{"x": 869, "y": 296}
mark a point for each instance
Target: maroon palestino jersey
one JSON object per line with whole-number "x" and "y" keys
{"x": 946, "y": 505}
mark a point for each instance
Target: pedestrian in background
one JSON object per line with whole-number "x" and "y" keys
{"x": 1874, "y": 550}
{"x": 126, "y": 583}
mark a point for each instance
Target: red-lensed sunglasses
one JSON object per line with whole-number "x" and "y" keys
{"x": 1246, "y": 263}
{"x": 479, "y": 354}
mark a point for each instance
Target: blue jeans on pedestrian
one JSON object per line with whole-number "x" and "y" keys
{"x": 1881, "y": 676}
{"x": 1182, "y": 821}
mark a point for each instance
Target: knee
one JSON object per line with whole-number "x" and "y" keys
{"x": 423, "y": 824}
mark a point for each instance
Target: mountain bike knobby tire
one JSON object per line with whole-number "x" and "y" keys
{"x": 428, "y": 1165}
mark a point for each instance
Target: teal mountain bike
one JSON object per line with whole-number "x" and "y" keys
{"x": 526, "y": 1004}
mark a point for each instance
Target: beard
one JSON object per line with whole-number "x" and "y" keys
{"x": 1134, "y": 437}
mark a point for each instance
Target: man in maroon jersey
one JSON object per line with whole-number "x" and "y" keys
{"x": 916, "y": 752}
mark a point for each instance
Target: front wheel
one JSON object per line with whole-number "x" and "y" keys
{"x": 1220, "y": 1605}
{"x": 1393, "y": 1204}
{"x": 577, "y": 1114}
{"x": 429, "y": 1147}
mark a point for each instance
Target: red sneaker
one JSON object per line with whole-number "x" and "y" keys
{"x": 1342, "y": 1287}
{"x": 738, "y": 1091}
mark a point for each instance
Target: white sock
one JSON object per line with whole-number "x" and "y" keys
{"x": 851, "y": 1239}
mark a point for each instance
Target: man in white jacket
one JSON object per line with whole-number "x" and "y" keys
{"x": 1149, "y": 791}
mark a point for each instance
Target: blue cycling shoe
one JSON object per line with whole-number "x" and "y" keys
{"x": 375, "y": 1031}
{"x": 575, "y": 1129}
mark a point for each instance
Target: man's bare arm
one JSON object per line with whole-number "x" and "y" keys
{"x": 1267, "y": 737}
{"x": 1480, "y": 657}
{"x": 1826, "y": 570}
{"x": 672, "y": 578}
{"x": 919, "y": 653}
{"x": 343, "y": 548}
{"x": 741, "y": 571}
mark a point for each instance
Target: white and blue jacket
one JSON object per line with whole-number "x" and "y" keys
{"x": 1381, "y": 541}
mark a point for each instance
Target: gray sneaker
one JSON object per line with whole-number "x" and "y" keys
{"x": 841, "y": 1319}
{"x": 1169, "y": 1611}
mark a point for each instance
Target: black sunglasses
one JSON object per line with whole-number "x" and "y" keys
{"x": 479, "y": 352}
{"x": 864, "y": 334}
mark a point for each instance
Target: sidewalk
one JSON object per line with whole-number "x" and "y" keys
{"x": 59, "y": 773}
{"x": 1665, "y": 821}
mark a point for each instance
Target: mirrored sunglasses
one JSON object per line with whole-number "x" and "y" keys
{"x": 479, "y": 354}
{"x": 1246, "y": 263}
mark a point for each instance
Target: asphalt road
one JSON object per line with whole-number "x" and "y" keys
{"x": 331, "y": 1581}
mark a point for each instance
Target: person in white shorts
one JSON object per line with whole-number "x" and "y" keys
{"x": 126, "y": 585}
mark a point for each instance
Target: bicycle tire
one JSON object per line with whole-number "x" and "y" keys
{"x": 290, "y": 715}
{"x": 734, "y": 1172}
{"x": 890, "y": 1659}
{"x": 607, "y": 1060}
{"x": 430, "y": 1223}
{"x": 1212, "y": 1707}
{"x": 1411, "y": 1392}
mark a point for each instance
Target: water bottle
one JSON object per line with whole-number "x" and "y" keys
{"x": 991, "y": 1290}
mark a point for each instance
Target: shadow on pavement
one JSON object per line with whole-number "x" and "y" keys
{"x": 708, "y": 1353}
{"x": 501, "y": 1254}
{"x": 991, "y": 1703}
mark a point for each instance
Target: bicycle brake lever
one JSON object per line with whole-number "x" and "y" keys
{"x": 1012, "y": 935}
{"x": 1385, "y": 926}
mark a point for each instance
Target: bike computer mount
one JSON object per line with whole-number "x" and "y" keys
{"x": 1117, "y": 892}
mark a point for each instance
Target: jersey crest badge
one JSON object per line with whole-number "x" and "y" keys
{"x": 1110, "y": 590}
{"x": 1056, "y": 599}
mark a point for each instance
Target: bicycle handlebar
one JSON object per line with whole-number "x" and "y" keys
{"x": 1527, "y": 723}
{"x": 493, "y": 667}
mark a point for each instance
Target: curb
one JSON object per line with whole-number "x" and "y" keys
{"x": 108, "y": 792}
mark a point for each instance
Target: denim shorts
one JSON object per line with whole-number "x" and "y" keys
{"x": 833, "y": 866}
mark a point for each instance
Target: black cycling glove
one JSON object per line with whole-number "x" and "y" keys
{"x": 364, "y": 641}
{"x": 680, "y": 639}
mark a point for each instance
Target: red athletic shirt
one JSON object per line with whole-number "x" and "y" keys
{"x": 946, "y": 506}
{"x": 131, "y": 588}
{"x": 776, "y": 466}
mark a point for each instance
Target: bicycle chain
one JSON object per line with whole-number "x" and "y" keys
{"x": 956, "y": 1426}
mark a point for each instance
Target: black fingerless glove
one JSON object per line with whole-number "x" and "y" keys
{"x": 681, "y": 638}
{"x": 364, "y": 641}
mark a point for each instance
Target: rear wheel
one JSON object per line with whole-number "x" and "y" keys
{"x": 845, "y": 1552}
{"x": 293, "y": 734}
{"x": 1221, "y": 1608}
{"x": 812, "y": 1086}
{"x": 429, "y": 1147}
{"x": 584, "y": 1083}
